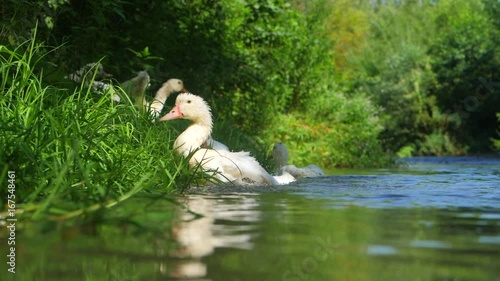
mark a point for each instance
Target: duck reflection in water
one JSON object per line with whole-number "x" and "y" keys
{"x": 204, "y": 224}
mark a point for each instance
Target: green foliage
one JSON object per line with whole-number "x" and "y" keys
{"x": 335, "y": 131}
{"x": 429, "y": 65}
{"x": 78, "y": 152}
{"x": 464, "y": 61}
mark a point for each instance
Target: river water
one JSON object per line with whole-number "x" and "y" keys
{"x": 430, "y": 219}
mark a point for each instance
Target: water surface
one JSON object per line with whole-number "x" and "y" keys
{"x": 431, "y": 219}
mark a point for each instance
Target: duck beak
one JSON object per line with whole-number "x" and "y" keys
{"x": 184, "y": 90}
{"x": 173, "y": 114}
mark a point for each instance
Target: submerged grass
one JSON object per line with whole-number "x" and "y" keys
{"x": 74, "y": 153}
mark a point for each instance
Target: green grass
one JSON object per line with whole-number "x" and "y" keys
{"x": 74, "y": 153}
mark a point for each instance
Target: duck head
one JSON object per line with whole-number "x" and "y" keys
{"x": 192, "y": 107}
{"x": 175, "y": 85}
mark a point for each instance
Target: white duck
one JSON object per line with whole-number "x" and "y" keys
{"x": 237, "y": 167}
{"x": 280, "y": 156}
{"x": 171, "y": 86}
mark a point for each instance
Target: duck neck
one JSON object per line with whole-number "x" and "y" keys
{"x": 194, "y": 136}
{"x": 163, "y": 93}
{"x": 160, "y": 98}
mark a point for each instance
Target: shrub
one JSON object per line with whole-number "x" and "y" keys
{"x": 335, "y": 131}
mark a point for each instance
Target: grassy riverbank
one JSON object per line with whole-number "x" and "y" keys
{"x": 76, "y": 151}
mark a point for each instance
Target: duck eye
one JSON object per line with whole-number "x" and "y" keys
{"x": 189, "y": 101}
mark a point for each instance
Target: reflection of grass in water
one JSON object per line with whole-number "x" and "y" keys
{"x": 78, "y": 153}
{"x": 128, "y": 243}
